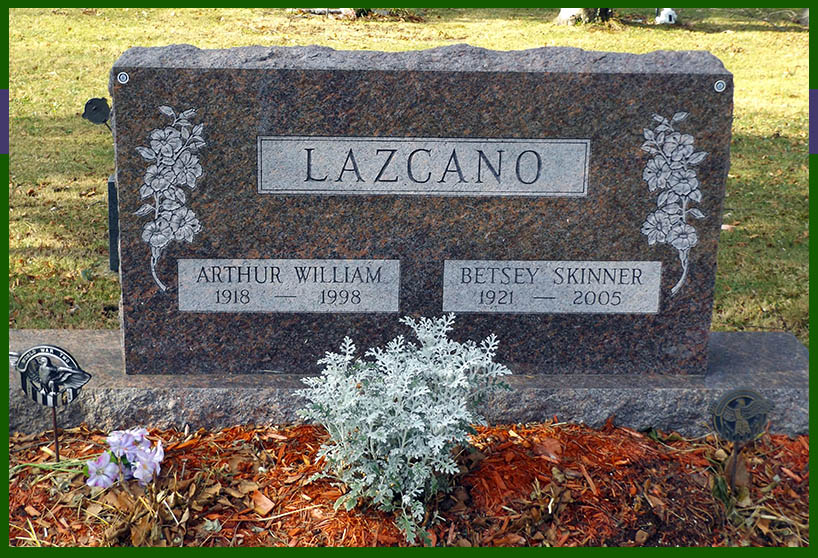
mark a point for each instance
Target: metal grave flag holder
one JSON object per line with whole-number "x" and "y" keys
{"x": 740, "y": 416}
{"x": 51, "y": 377}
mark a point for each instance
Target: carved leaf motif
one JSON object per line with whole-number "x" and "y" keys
{"x": 673, "y": 211}
{"x": 696, "y": 213}
{"x": 648, "y": 146}
{"x": 679, "y": 116}
{"x": 180, "y": 195}
{"x": 166, "y": 110}
{"x": 195, "y": 144}
{"x": 648, "y": 134}
{"x": 146, "y": 153}
{"x": 169, "y": 204}
{"x": 697, "y": 158}
{"x": 666, "y": 197}
{"x": 146, "y": 209}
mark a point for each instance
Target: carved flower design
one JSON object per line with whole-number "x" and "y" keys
{"x": 670, "y": 169}
{"x": 157, "y": 180}
{"x": 157, "y": 233}
{"x": 656, "y": 227}
{"x": 684, "y": 182}
{"x": 674, "y": 212}
{"x": 678, "y": 146}
{"x": 173, "y": 164}
{"x": 682, "y": 237}
{"x": 184, "y": 224}
{"x": 656, "y": 173}
{"x": 166, "y": 142}
{"x": 187, "y": 169}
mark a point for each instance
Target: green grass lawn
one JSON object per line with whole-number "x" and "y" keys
{"x": 59, "y": 163}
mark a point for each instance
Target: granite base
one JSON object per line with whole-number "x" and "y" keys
{"x": 775, "y": 364}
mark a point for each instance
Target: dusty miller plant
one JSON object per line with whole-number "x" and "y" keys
{"x": 395, "y": 417}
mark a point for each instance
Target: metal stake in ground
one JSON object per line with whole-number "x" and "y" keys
{"x": 50, "y": 376}
{"x": 97, "y": 111}
{"x": 740, "y": 416}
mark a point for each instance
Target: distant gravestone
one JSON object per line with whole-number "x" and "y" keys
{"x": 275, "y": 200}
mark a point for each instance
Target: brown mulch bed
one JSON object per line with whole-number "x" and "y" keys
{"x": 552, "y": 484}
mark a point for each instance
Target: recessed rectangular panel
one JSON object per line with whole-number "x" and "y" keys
{"x": 551, "y": 287}
{"x": 325, "y": 286}
{"x": 423, "y": 166}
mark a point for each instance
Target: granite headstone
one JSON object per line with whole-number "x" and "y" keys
{"x": 275, "y": 200}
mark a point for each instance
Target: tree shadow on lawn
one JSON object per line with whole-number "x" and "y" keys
{"x": 643, "y": 19}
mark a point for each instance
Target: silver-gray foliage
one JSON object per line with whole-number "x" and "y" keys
{"x": 395, "y": 417}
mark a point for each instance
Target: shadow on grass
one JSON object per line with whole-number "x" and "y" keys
{"x": 713, "y": 28}
{"x": 743, "y": 27}
{"x": 541, "y": 15}
{"x": 697, "y": 21}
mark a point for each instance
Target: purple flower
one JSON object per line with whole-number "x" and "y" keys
{"x": 137, "y": 458}
{"x": 682, "y": 237}
{"x": 139, "y": 434}
{"x": 187, "y": 169}
{"x": 121, "y": 442}
{"x": 101, "y": 472}
{"x": 143, "y": 472}
{"x": 166, "y": 142}
{"x": 146, "y": 463}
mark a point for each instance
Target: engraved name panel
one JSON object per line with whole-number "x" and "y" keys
{"x": 430, "y": 166}
{"x": 267, "y": 285}
{"x": 552, "y": 287}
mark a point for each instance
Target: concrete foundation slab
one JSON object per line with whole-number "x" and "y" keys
{"x": 774, "y": 364}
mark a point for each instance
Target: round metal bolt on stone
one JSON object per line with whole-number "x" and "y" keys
{"x": 123, "y": 77}
{"x": 720, "y": 86}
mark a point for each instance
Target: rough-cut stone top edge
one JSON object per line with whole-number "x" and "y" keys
{"x": 464, "y": 58}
